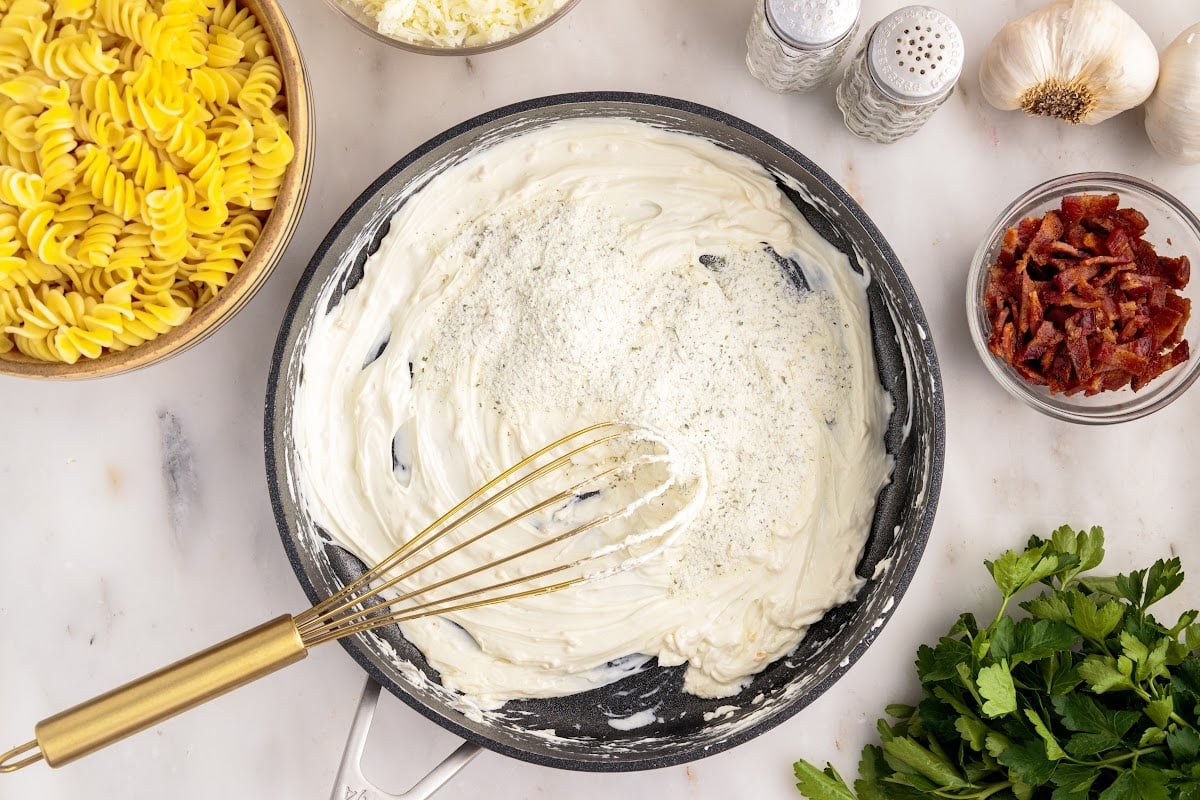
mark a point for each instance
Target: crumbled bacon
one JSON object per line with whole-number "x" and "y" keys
{"x": 1080, "y": 302}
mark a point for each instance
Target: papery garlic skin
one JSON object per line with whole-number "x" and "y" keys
{"x": 1081, "y": 61}
{"x": 1173, "y": 111}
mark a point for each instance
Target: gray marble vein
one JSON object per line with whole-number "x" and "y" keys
{"x": 179, "y": 479}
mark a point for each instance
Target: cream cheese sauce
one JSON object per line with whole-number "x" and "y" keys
{"x": 592, "y": 270}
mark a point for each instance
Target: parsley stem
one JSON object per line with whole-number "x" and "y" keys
{"x": 973, "y": 793}
{"x": 1000, "y": 613}
{"x": 996, "y": 787}
{"x": 1180, "y": 721}
{"x": 1115, "y": 760}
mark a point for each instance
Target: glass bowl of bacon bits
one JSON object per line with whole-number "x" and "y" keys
{"x": 1080, "y": 299}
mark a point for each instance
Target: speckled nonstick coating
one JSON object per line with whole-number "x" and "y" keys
{"x": 584, "y": 738}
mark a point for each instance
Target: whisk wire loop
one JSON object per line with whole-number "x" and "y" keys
{"x": 8, "y": 762}
{"x": 372, "y": 617}
{"x": 361, "y": 606}
{"x": 420, "y": 539}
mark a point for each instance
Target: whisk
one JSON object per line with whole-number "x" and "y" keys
{"x": 610, "y": 472}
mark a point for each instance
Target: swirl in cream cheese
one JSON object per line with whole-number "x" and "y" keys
{"x": 592, "y": 270}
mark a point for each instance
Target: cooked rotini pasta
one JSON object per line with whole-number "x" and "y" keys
{"x": 116, "y": 192}
{"x": 19, "y": 188}
{"x": 168, "y": 224}
{"x": 224, "y": 49}
{"x": 262, "y": 87}
{"x": 44, "y": 236}
{"x": 152, "y": 318}
{"x": 155, "y": 277}
{"x": 55, "y": 132}
{"x": 223, "y": 251}
{"x": 136, "y": 156}
{"x": 219, "y": 87}
{"x": 25, "y": 88}
{"x": 68, "y": 56}
{"x": 75, "y": 211}
{"x": 132, "y": 250}
{"x": 133, "y": 19}
{"x": 11, "y": 156}
{"x": 74, "y": 9}
{"x": 12, "y": 263}
{"x": 99, "y": 240}
{"x": 15, "y": 26}
{"x": 19, "y": 124}
{"x": 142, "y": 146}
{"x": 98, "y": 127}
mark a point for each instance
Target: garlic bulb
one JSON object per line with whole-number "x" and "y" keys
{"x": 1081, "y": 61}
{"x": 1173, "y": 111}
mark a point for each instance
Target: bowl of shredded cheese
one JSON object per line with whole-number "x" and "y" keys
{"x": 452, "y": 27}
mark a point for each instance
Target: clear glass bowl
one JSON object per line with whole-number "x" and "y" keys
{"x": 1174, "y": 230}
{"x": 362, "y": 20}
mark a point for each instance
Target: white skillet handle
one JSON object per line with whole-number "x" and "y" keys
{"x": 351, "y": 784}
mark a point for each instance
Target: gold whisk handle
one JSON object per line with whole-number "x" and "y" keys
{"x": 147, "y": 701}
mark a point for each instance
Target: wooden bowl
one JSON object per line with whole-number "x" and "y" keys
{"x": 276, "y": 233}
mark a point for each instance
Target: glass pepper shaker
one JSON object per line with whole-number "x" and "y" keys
{"x": 905, "y": 70}
{"x": 792, "y": 45}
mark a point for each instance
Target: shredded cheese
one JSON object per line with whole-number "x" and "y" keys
{"x": 457, "y": 23}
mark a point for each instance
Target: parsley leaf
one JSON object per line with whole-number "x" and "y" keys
{"x": 1074, "y": 777}
{"x": 821, "y": 784}
{"x": 1053, "y": 750}
{"x": 1159, "y": 711}
{"x": 1186, "y": 680}
{"x": 996, "y": 686}
{"x": 1092, "y": 620}
{"x": 1139, "y": 783}
{"x": 1027, "y": 763}
{"x": 1162, "y": 579}
{"x": 1099, "y": 729}
{"x": 1184, "y": 744}
{"x": 1015, "y": 571}
{"x": 941, "y": 663}
{"x": 1106, "y": 674}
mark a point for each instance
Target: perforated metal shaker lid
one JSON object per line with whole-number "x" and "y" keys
{"x": 915, "y": 54}
{"x": 812, "y": 24}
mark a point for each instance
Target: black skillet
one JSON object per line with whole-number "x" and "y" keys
{"x": 583, "y": 738}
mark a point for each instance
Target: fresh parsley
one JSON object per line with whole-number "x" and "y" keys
{"x": 1084, "y": 696}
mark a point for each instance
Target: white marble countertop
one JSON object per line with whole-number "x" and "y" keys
{"x": 136, "y": 523}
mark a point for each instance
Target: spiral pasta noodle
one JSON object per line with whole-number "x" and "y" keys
{"x": 67, "y": 57}
{"x": 19, "y": 125}
{"x": 168, "y": 224}
{"x": 142, "y": 146}
{"x": 55, "y": 133}
{"x": 19, "y": 188}
{"x": 75, "y": 212}
{"x": 74, "y": 9}
{"x": 99, "y": 240}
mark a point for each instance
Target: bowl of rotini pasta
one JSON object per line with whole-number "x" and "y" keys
{"x": 154, "y": 159}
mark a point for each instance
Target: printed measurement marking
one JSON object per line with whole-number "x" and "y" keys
{"x": 356, "y": 794}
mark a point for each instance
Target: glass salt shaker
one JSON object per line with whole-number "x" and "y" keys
{"x": 905, "y": 70}
{"x": 792, "y": 45}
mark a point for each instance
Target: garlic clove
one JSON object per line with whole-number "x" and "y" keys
{"x": 1173, "y": 111}
{"x": 1081, "y": 61}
